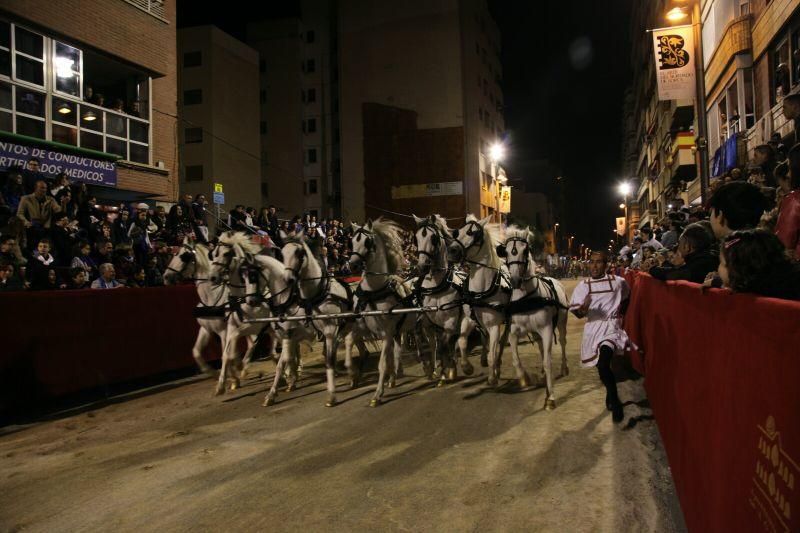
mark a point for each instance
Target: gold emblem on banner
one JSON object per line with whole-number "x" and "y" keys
{"x": 672, "y": 53}
{"x": 774, "y": 482}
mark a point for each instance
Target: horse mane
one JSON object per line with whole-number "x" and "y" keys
{"x": 441, "y": 223}
{"x": 240, "y": 240}
{"x": 201, "y": 257}
{"x": 493, "y": 234}
{"x": 391, "y": 235}
{"x": 516, "y": 232}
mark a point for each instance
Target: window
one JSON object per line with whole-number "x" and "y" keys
{"x": 312, "y": 186}
{"x": 67, "y": 67}
{"x": 310, "y": 36}
{"x": 311, "y": 65}
{"x": 193, "y": 135}
{"x": 311, "y": 125}
{"x": 263, "y": 127}
{"x": 192, "y": 59}
{"x": 262, "y": 65}
{"x": 194, "y": 173}
{"x": 193, "y": 97}
{"x": 311, "y": 95}
{"x": 262, "y": 96}
{"x": 311, "y": 156}
{"x": 29, "y": 56}
{"x": 744, "y": 7}
{"x": 5, "y": 48}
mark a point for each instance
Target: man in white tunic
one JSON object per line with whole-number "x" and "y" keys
{"x": 602, "y": 299}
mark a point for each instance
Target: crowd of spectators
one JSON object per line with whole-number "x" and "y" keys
{"x": 55, "y": 235}
{"x": 747, "y": 237}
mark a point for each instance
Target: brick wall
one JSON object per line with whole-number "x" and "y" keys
{"x": 770, "y": 21}
{"x": 120, "y": 30}
{"x": 397, "y": 153}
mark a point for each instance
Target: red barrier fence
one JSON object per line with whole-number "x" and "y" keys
{"x": 57, "y": 343}
{"x": 722, "y": 373}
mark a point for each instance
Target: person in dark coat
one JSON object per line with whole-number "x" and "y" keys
{"x": 695, "y": 256}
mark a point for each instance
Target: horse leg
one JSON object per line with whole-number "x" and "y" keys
{"x": 547, "y": 349}
{"x": 522, "y": 376}
{"x": 203, "y": 338}
{"x": 330, "y": 364}
{"x": 387, "y": 346}
{"x": 562, "y": 340}
{"x": 465, "y": 329}
{"x": 494, "y": 371}
{"x": 228, "y": 354}
{"x": 397, "y": 360}
{"x": 248, "y": 355}
{"x": 282, "y": 362}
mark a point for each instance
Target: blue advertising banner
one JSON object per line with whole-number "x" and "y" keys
{"x": 77, "y": 167}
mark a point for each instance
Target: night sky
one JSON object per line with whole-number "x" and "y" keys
{"x": 565, "y": 66}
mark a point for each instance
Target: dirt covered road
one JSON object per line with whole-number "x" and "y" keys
{"x": 459, "y": 458}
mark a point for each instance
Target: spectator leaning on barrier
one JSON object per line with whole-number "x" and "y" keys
{"x": 106, "y": 279}
{"x": 754, "y": 261}
{"x": 694, "y": 259}
{"x": 787, "y": 228}
{"x": 8, "y": 280}
{"x": 77, "y": 279}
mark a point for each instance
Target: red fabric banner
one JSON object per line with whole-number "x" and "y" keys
{"x": 722, "y": 374}
{"x": 56, "y": 343}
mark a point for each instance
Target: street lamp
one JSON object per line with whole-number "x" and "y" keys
{"x": 624, "y": 189}
{"x": 555, "y": 237}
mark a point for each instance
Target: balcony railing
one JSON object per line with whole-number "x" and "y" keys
{"x": 154, "y": 7}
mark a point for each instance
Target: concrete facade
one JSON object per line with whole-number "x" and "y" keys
{"x": 228, "y": 150}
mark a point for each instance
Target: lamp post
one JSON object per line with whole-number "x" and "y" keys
{"x": 625, "y": 189}
{"x": 555, "y": 237}
{"x": 497, "y": 152}
{"x": 678, "y": 14}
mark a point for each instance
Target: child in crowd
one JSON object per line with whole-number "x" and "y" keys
{"x": 755, "y": 261}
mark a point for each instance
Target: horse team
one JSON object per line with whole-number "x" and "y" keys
{"x": 480, "y": 276}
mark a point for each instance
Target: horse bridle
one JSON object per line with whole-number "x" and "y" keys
{"x": 187, "y": 257}
{"x": 435, "y": 240}
{"x": 475, "y": 230}
{"x": 501, "y": 251}
{"x": 369, "y": 244}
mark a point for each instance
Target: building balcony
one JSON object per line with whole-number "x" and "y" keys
{"x": 682, "y": 158}
{"x": 681, "y": 115}
{"x": 737, "y": 39}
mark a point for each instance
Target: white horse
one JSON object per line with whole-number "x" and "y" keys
{"x": 321, "y": 294}
{"x": 440, "y": 285}
{"x": 538, "y": 305}
{"x": 227, "y": 258}
{"x": 265, "y": 281}
{"x": 486, "y": 296}
{"x": 378, "y": 246}
{"x": 191, "y": 263}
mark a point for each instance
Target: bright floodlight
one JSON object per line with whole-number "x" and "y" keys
{"x": 676, "y": 14}
{"x": 625, "y": 188}
{"x": 497, "y": 151}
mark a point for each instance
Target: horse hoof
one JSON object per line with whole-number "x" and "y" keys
{"x": 549, "y": 404}
{"x": 524, "y": 381}
{"x": 374, "y": 402}
{"x": 564, "y": 371}
{"x": 220, "y": 390}
{"x": 234, "y": 386}
{"x": 391, "y": 383}
{"x": 451, "y": 373}
{"x": 290, "y": 387}
{"x": 467, "y": 368}
{"x": 269, "y": 400}
{"x": 437, "y": 372}
{"x": 441, "y": 383}
{"x": 331, "y": 402}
